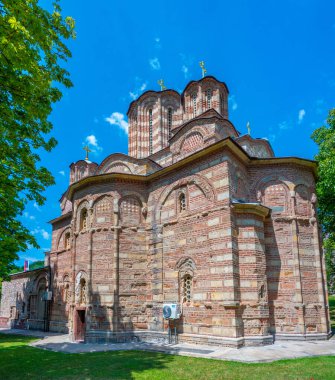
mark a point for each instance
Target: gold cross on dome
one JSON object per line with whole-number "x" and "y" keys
{"x": 204, "y": 70}
{"x": 87, "y": 149}
{"x": 161, "y": 83}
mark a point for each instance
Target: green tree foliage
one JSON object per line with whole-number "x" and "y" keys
{"x": 32, "y": 49}
{"x": 325, "y": 138}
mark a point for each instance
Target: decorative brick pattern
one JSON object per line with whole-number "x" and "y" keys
{"x": 233, "y": 240}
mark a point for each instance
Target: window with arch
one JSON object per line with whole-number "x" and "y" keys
{"x": 182, "y": 202}
{"x": 194, "y": 103}
{"x": 150, "y": 131}
{"x": 67, "y": 240}
{"x": 66, "y": 290}
{"x": 187, "y": 288}
{"x": 82, "y": 291}
{"x": 169, "y": 120}
{"x": 83, "y": 219}
{"x": 209, "y": 98}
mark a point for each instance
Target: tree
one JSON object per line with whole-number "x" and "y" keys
{"x": 32, "y": 50}
{"x": 325, "y": 139}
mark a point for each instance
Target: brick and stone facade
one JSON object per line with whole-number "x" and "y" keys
{"x": 197, "y": 214}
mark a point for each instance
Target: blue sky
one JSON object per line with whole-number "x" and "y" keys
{"x": 277, "y": 59}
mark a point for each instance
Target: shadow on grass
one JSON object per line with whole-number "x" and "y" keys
{"x": 18, "y": 360}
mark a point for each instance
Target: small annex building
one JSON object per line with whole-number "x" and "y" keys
{"x": 197, "y": 215}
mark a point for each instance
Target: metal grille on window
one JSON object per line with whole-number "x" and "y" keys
{"x": 187, "y": 288}
{"x": 150, "y": 131}
{"x": 182, "y": 202}
{"x": 169, "y": 121}
{"x": 209, "y": 98}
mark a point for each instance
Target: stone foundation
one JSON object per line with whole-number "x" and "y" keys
{"x": 94, "y": 336}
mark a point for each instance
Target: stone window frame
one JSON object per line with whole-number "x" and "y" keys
{"x": 186, "y": 274}
{"x": 83, "y": 225}
{"x": 209, "y": 98}
{"x": 182, "y": 194}
{"x": 169, "y": 121}
{"x": 194, "y": 97}
{"x": 67, "y": 240}
{"x": 81, "y": 289}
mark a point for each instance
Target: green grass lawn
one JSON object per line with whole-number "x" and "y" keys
{"x": 332, "y": 311}
{"x": 19, "y": 361}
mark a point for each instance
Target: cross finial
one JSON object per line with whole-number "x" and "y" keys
{"x": 87, "y": 149}
{"x": 161, "y": 83}
{"x": 202, "y": 65}
{"x": 248, "y": 128}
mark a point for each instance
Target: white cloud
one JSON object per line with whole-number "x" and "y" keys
{"x": 37, "y": 206}
{"x": 232, "y": 102}
{"x": 118, "y": 119}
{"x": 42, "y": 232}
{"x": 45, "y": 234}
{"x": 301, "y": 115}
{"x": 136, "y": 93}
{"x": 28, "y": 216}
{"x": 91, "y": 139}
{"x": 154, "y": 63}
{"x": 185, "y": 70}
{"x": 93, "y": 142}
{"x": 62, "y": 172}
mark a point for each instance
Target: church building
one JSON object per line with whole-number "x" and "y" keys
{"x": 197, "y": 215}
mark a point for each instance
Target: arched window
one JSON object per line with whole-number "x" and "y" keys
{"x": 82, "y": 291}
{"x": 66, "y": 290}
{"x": 209, "y": 98}
{"x": 169, "y": 120}
{"x": 182, "y": 202}
{"x": 67, "y": 241}
{"x": 187, "y": 288}
{"x": 150, "y": 131}
{"x": 194, "y": 101}
{"x": 83, "y": 219}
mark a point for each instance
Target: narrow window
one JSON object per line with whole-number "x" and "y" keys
{"x": 83, "y": 220}
{"x": 187, "y": 288}
{"x": 169, "y": 121}
{"x": 150, "y": 131}
{"x": 194, "y": 98}
{"x": 182, "y": 202}
{"x": 209, "y": 98}
{"x": 82, "y": 291}
{"x": 67, "y": 241}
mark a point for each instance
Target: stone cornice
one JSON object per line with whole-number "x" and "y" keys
{"x": 227, "y": 143}
{"x": 251, "y": 208}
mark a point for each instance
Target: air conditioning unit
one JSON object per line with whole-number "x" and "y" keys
{"x": 171, "y": 311}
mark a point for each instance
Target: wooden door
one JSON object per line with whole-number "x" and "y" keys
{"x": 80, "y": 325}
